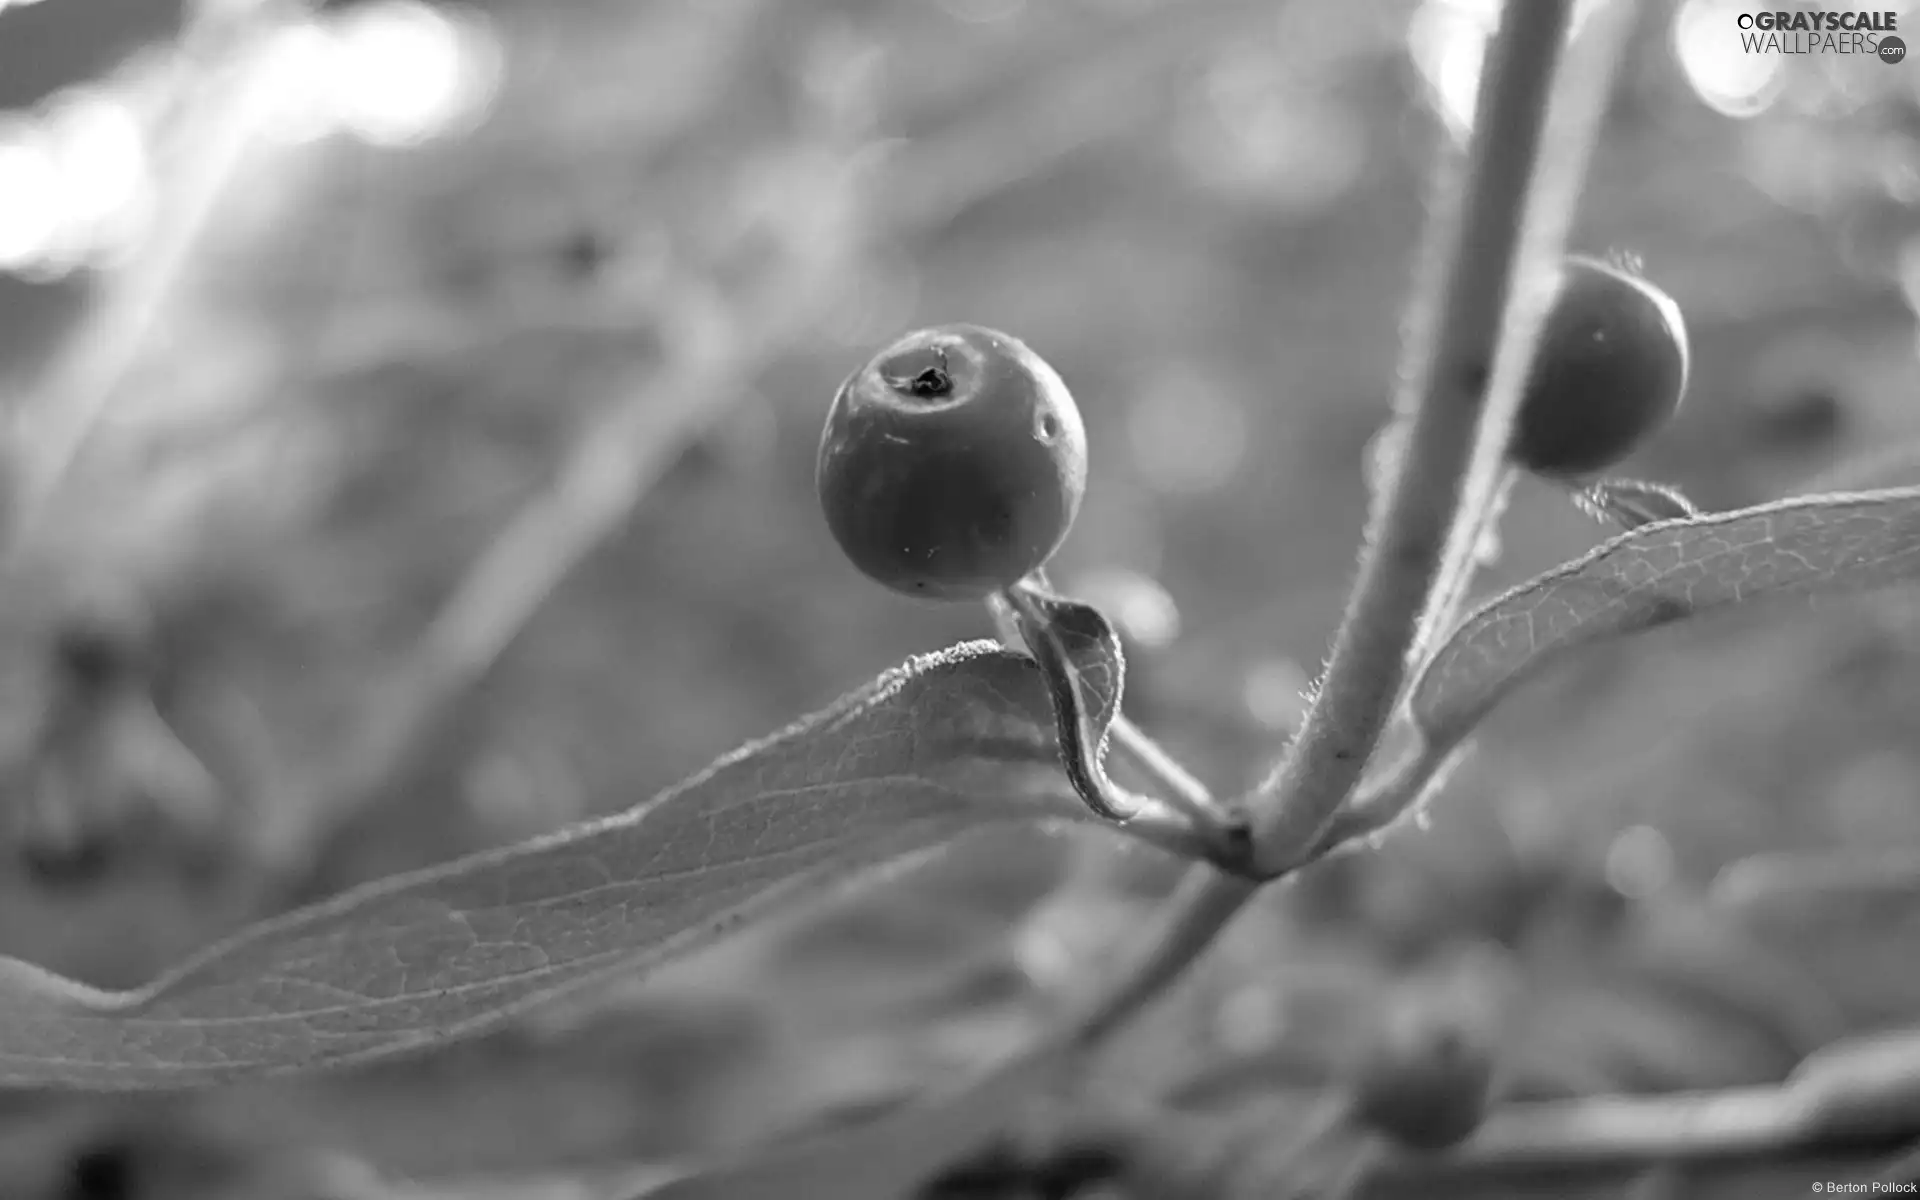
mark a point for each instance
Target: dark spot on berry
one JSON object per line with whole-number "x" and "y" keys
{"x": 921, "y": 372}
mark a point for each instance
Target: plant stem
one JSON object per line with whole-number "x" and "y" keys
{"x": 1443, "y": 484}
{"x": 1187, "y": 924}
{"x": 1458, "y": 428}
{"x": 1183, "y": 789}
{"x": 1452, "y": 590}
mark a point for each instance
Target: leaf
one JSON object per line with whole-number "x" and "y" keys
{"x": 1094, "y": 654}
{"x": 1079, "y": 655}
{"x": 1660, "y": 574}
{"x": 947, "y": 744}
{"x": 1088, "y": 641}
{"x": 1632, "y": 503}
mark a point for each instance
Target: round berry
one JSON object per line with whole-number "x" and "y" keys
{"x": 1610, "y": 370}
{"x": 1425, "y": 1079}
{"x": 953, "y": 463}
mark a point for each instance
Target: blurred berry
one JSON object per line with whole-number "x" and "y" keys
{"x": 1426, "y": 1078}
{"x": 1609, "y": 370}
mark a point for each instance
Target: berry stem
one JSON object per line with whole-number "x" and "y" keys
{"x": 1151, "y": 759}
{"x": 1222, "y": 832}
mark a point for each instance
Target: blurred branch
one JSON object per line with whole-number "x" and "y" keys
{"x": 1857, "y": 1093}
{"x": 339, "y": 1177}
{"x": 1040, "y": 112}
{"x": 1855, "y": 1096}
{"x": 1809, "y": 884}
{"x": 714, "y": 344}
{"x": 713, "y": 353}
{"x": 1862, "y": 1089}
{"x": 215, "y": 103}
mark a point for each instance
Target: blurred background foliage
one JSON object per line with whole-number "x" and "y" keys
{"x": 415, "y": 407}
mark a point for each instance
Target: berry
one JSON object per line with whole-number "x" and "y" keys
{"x": 952, "y": 464}
{"x": 1426, "y": 1078}
{"x": 1610, "y": 370}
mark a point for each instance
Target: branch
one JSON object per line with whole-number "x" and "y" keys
{"x": 1443, "y": 483}
{"x": 1467, "y": 359}
{"x": 616, "y": 461}
{"x": 219, "y": 94}
{"x": 1550, "y": 1143}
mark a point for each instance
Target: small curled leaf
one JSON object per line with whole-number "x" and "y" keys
{"x": 1811, "y": 545}
{"x": 1079, "y": 655}
{"x": 1632, "y": 503}
{"x": 1093, "y": 650}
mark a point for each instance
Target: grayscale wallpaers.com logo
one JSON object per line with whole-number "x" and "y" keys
{"x": 1815, "y": 31}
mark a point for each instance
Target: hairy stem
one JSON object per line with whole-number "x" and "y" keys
{"x": 1452, "y": 590}
{"x": 1457, "y": 431}
{"x": 1446, "y": 480}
